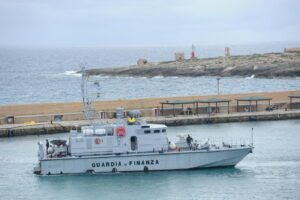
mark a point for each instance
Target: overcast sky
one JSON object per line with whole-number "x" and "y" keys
{"x": 68, "y": 23}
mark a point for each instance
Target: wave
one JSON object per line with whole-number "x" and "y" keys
{"x": 72, "y": 73}
{"x": 157, "y": 77}
{"x": 251, "y": 77}
{"x": 142, "y": 77}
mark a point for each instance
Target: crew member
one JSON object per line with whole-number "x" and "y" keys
{"x": 189, "y": 141}
{"x": 131, "y": 120}
{"x": 47, "y": 145}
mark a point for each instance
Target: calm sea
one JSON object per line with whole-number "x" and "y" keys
{"x": 271, "y": 172}
{"x": 33, "y": 75}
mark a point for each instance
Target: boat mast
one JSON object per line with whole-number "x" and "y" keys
{"x": 89, "y": 111}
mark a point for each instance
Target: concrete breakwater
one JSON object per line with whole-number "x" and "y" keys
{"x": 225, "y": 118}
{"x": 268, "y": 65}
{"x": 72, "y": 111}
{"x": 66, "y": 126}
{"x": 50, "y": 118}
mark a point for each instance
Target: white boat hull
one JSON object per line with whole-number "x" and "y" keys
{"x": 144, "y": 161}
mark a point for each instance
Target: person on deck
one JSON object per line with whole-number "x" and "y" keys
{"x": 47, "y": 145}
{"x": 189, "y": 141}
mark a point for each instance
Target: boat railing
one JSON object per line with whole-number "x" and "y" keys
{"x": 228, "y": 142}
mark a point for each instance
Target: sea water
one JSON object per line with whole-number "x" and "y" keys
{"x": 270, "y": 172}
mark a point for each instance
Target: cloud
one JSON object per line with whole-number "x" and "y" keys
{"x": 137, "y": 22}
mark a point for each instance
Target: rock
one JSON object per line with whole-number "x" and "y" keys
{"x": 264, "y": 65}
{"x": 292, "y": 50}
{"x": 142, "y": 61}
{"x": 179, "y": 56}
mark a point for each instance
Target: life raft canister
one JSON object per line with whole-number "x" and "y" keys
{"x": 97, "y": 141}
{"x": 121, "y": 131}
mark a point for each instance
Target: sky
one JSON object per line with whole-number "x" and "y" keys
{"x": 94, "y": 23}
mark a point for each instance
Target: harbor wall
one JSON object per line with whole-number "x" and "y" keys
{"x": 52, "y": 118}
{"x": 151, "y": 112}
{"x": 66, "y": 126}
{"x": 48, "y": 112}
{"x": 225, "y": 118}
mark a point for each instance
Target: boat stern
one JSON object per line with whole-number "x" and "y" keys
{"x": 37, "y": 170}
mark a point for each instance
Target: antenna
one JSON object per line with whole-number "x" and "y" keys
{"x": 88, "y": 97}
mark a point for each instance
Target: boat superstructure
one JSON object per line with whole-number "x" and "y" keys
{"x": 137, "y": 146}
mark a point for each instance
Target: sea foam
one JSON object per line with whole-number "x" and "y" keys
{"x": 72, "y": 73}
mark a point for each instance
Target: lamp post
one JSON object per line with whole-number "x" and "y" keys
{"x": 218, "y": 82}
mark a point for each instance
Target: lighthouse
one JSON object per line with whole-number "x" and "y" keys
{"x": 193, "y": 55}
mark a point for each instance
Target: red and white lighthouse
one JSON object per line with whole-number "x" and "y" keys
{"x": 193, "y": 56}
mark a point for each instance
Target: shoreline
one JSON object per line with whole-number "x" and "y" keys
{"x": 267, "y": 65}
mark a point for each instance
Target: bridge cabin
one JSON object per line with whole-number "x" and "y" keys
{"x": 118, "y": 139}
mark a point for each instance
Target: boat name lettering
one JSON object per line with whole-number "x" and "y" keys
{"x": 130, "y": 163}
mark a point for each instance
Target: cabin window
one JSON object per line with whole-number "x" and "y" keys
{"x": 156, "y": 131}
{"x": 147, "y": 131}
{"x": 133, "y": 143}
{"x": 109, "y": 131}
{"x": 164, "y": 130}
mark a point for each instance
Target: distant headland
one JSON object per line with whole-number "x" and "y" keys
{"x": 267, "y": 65}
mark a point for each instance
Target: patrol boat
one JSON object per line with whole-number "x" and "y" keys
{"x": 131, "y": 145}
